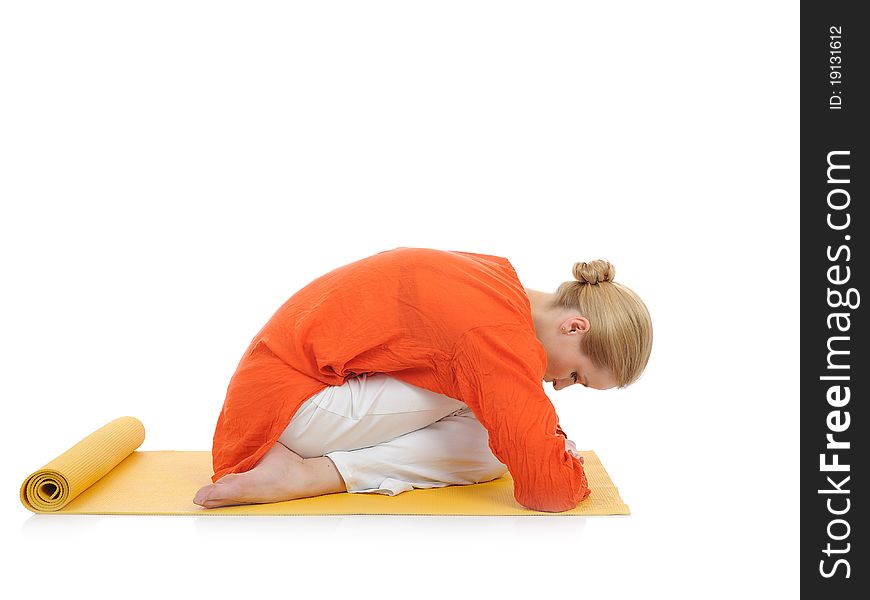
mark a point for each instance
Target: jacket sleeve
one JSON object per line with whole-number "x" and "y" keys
{"x": 499, "y": 370}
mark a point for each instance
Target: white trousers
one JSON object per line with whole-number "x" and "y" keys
{"x": 387, "y": 436}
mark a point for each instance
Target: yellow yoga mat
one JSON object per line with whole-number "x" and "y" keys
{"x": 105, "y": 475}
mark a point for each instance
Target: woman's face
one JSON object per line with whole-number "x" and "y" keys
{"x": 567, "y": 364}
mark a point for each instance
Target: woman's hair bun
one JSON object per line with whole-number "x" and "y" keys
{"x": 596, "y": 271}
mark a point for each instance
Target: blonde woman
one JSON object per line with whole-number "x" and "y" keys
{"x": 418, "y": 368}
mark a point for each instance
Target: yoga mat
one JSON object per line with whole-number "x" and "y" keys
{"x": 104, "y": 474}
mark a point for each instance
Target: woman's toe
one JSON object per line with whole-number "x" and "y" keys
{"x": 203, "y": 494}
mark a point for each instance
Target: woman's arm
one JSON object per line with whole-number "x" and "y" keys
{"x": 499, "y": 371}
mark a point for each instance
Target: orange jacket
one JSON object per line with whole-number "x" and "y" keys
{"x": 455, "y": 323}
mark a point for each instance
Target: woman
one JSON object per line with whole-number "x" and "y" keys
{"x": 419, "y": 368}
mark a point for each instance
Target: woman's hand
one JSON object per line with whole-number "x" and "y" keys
{"x": 571, "y": 447}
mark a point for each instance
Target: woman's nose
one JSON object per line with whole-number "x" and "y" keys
{"x": 561, "y": 384}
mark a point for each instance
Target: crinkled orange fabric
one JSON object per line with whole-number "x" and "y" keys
{"x": 455, "y": 323}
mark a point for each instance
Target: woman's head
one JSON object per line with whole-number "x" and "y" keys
{"x": 614, "y": 325}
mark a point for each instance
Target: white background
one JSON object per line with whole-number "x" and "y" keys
{"x": 171, "y": 172}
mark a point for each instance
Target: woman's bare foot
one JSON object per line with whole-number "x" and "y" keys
{"x": 280, "y": 475}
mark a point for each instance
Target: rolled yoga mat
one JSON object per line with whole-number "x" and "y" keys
{"x": 104, "y": 474}
{"x": 61, "y": 481}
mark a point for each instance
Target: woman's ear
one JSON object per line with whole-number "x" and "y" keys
{"x": 575, "y": 324}
{"x": 580, "y": 324}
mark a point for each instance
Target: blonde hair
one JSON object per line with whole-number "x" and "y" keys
{"x": 620, "y": 334}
